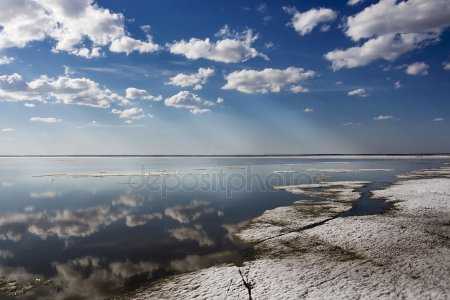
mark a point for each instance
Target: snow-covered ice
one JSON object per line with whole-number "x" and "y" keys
{"x": 309, "y": 253}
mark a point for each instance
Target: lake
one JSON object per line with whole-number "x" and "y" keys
{"x": 93, "y": 228}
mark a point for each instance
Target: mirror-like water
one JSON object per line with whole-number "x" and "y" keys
{"x": 92, "y": 228}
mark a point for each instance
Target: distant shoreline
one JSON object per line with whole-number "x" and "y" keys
{"x": 239, "y": 155}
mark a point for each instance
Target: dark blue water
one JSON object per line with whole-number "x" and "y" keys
{"x": 98, "y": 227}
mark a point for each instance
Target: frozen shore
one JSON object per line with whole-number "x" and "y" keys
{"x": 308, "y": 251}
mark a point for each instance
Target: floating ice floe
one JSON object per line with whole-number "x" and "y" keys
{"x": 334, "y": 190}
{"x": 121, "y": 174}
{"x": 348, "y": 170}
{"x": 443, "y": 172}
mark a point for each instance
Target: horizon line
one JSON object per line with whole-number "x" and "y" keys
{"x": 225, "y": 155}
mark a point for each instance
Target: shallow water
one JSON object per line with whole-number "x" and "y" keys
{"x": 98, "y": 227}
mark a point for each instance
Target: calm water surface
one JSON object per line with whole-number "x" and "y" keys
{"x": 98, "y": 227}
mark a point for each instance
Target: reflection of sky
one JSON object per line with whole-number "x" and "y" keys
{"x": 98, "y": 233}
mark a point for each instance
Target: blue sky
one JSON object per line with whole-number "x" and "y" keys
{"x": 224, "y": 77}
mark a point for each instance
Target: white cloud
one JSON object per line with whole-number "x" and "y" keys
{"x": 7, "y": 130}
{"x": 12, "y": 79}
{"x": 358, "y": 92}
{"x": 6, "y": 60}
{"x": 130, "y": 114}
{"x": 388, "y": 47}
{"x": 397, "y": 84}
{"x": 267, "y": 80}
{"x": 354, "y": 2}
{"x": 388, "y": 39}
{"x": 72, "y": 24}
{"x": 261, "y": 8}
{"x": 134, "y": 93}
{"x": 219, "y": 100}
{"x": 269, "y": 45}
{"x": 62, "y": 89}
{"x": 308, "y": 110}
{"x": 79, "y": 91}
{"x": 146, "y": 28}
{"x": 189, "y": 101}
{"x": 127, "y": 45}
{"x": 50, "y": 120}
{"x": 305, "y": 22}
{"x": 351, "y": 124}
{"x": 29, "y": 105}
{"x": 13, "y": 88}
{"x": 297, "y": 89}
{"x": 383, "y": 117}
{"x": 392, "y": 16}
{"x": 446, "y": 66}
{"x": 417, "y": 68}
{"x": 196, "y": 80}
{"x": 438, "y": 119}
{"x": 232, "y": 48}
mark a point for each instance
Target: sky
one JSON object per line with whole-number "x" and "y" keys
{"x": 224, "y": 77}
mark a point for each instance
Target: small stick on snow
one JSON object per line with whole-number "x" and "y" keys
{"x": 248, "y": 285}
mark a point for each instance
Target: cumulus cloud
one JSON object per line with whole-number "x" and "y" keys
{"x": 6, "y": 60}
{"x": 297, "y": 89}
{"x": 308, "y": 110}
{"x": 196, "y": 80}
{"x": 386, "y": 39}
{"x": 130, "y": 114}
{"x": 354, "y": 2}
{"x": 48, "y": 120}
{"x": 267, "y": 80}
{"x": 63, "y": 89}
{"x": 446, "y": 66}
{"x": 383, "y": 117}
{"x": 305, "y": 22}
{"x": 388, "y": 47}
{"x": 127, "y": 45}
{"x": 80, "y": 91}
{"x": 232, "y": 47}
{"x": 417, "y": 68}
{"x": 376, "y": 20}
{"x": 189, "y": 101}
{"x": 397, "y": 84}
{"x": 134, "y": 93}
{"x": 13, "y": 88}
{"x": 81, "y": 28}
{"x": 11, "y": 80}
{"x": 358, "y": 92}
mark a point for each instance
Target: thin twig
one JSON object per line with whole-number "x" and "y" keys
{"x": 248, "y": 285}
